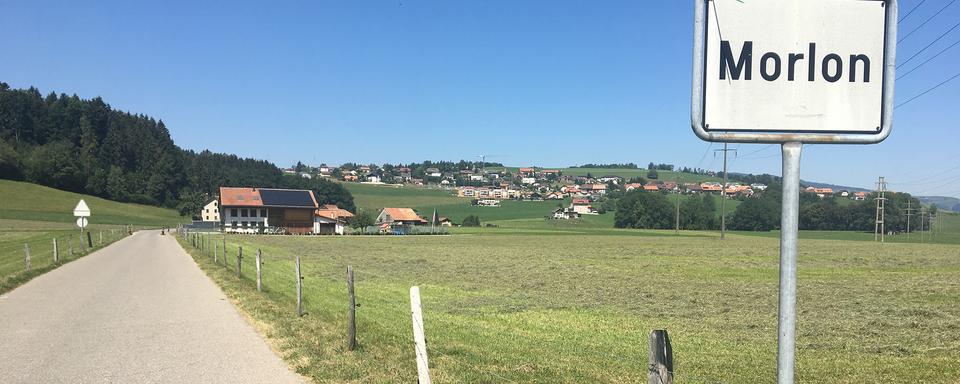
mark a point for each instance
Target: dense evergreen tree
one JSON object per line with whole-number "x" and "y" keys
{"x": 86, "y": 146}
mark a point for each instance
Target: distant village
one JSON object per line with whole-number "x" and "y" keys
{"x": 264, "y": 210}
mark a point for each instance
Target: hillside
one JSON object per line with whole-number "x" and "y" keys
{"x": 31, "y": 202}
{"x": 942, "y": 202}
{"x": 626, "y": 173}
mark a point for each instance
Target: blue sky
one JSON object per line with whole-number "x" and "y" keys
{"x": 550, "y": 83}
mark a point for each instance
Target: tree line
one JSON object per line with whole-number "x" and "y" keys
{"x": 639, "y": 209}
{"x": 86, "y": 146}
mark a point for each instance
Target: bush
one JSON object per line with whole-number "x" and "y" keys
{"x": 471, "y": 221}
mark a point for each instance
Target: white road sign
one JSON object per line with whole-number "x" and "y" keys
{"x": 82, "y": 210}
{"x": 786, "y": 68}
{"x": 82, "y": 222}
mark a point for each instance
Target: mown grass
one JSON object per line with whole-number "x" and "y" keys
{"x": 519, "y": 305}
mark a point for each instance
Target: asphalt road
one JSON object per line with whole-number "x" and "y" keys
{"x": 138, "y": 311}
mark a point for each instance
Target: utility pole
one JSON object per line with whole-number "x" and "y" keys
{"x": 881, "y": 200}
{"x": 909, "y": 213}
{"x": 921, "y": 224}
{"x": 723, "y": 192}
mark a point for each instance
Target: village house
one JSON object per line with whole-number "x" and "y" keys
{"x": 330, "y": 220}
{"x": 582, "y": 206}
{"x": 211, "y": 211}
{"x": 860, "y": 196}
{"x": 631, "y": 186}
{"x": 254, "y": 210}
{"x": 711, "y": 187}
{"x": 353, "y": 178}
{"x": 528, "y": 180}
{"x": 598, "y": 189}
{"x": 692, "y": 188}
{"x": 526, "y": 172}
{"x": 651, "y": 188}
{"x": 399, "y": 220}
{"x": 434, "y": 172}
{"x": 565, "y": 214}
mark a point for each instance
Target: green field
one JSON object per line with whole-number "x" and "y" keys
{"x": 575, "y": 304}
{"x": 25, "y": 201}
{"x": 34, "y": 215}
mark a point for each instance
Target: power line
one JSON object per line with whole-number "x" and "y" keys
{"x": 931, "y": 43}
{"x": 911, "y": 11}
{"x": 928, "y": 60}
{"x": 927, "y": 21}
{"x": 927, "y": 91}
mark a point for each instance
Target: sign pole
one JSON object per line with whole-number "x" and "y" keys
{"x": 789, "y": 230}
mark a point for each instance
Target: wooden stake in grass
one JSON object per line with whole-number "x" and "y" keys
{"x": 661, "y": 358}
{"x": 89, "y": 240}
{"x": 259, "y": 272}
{"x": 351, "y": 312}
{"x": 56, "y": 251}
{"x": 299, "y": 289}
{"x": 419, "y": 338}
{"x": 26, "y": 255}
{"x": 101, "y": 237}
{"x": 239, "y": 257}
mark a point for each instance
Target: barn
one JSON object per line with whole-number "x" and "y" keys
{"x": 267, "y": 210}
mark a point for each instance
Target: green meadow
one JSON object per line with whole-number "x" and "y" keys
{"x": 569, "y": 303}
{"x": 34, "y": 216}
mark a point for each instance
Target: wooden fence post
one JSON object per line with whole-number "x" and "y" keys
{"x": 215, "y": 249}
{"x": 101, "y": 237}
{"x": 419, "y": 338}
{"x": 299, "y": 289}
{"x": 26, "y": 255}
{"x": 661, "y": 358}
{"x": 259, "y": 272}
{"x": 239, "y": 258}
{"x": 56, "y": 251}
{"x": 89, "y": 240}
{"x": 351, "y": 312}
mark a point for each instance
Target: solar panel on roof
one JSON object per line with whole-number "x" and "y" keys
{"x": 286, "y": 198}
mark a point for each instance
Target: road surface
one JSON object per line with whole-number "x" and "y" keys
{"x": 138, "y": 311}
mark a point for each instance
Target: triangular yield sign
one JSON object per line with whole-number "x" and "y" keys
{"x": 82, "y": 210}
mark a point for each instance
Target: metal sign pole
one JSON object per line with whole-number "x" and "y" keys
{"x": 789, "y": 229}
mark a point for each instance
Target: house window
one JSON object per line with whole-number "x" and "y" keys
{"x": 263, "y": 212}
{"x": 233, "y": 212}
{"x": 253, "y": 213}
{"x": 244, "y": 213}
{"x": 260, "y": 224}
{"x": 233, "y": 224}
{"x": 245, "y": 224}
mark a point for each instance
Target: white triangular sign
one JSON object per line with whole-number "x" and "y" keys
{"x": 82, "y": 210}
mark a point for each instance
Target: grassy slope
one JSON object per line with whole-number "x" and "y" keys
{"x": 576, "y": 306}
{"x": 35, "y": 215}
{"x": 25, "y": 201}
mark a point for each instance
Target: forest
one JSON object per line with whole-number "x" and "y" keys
{"x": 85, "y": 146}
